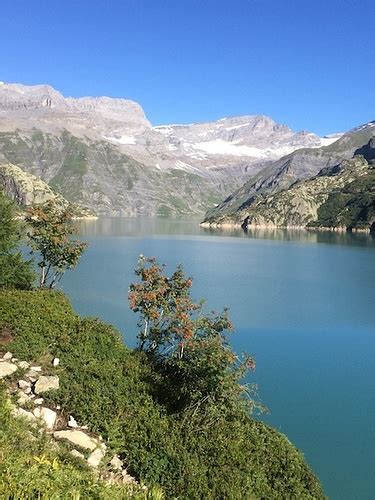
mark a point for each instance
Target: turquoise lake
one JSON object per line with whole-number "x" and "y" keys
{"x": 302, "y": 303}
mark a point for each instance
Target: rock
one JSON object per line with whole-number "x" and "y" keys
{"x": 72, "y": 422}
{"x": 49, "y": 417}
{"x": 127, "y": 478}
{"x": 23, "y": 398}
{"x": 28, "y": 391}
{"x": 36, "y": 368}
{"x": 32, "y": 375}
{"x": 46, "y": 383}
{"x": 96, "y": 457}
{"x": 38, "y": 401}
{"x": 14, "y": 360}
{"x": 7, "y": 356}
{"x": 24, "y": 384}
{"x": 20, "y": 412}
{"x": 116, "y": 463}
{"x": 7, "y": 369}
{"x": 24, "y": 365}
{"x": 78, "y": 438}
{"x": 37, "y": 412}
{"x": 77, "y": 454}
{"x": 55, "y": 362}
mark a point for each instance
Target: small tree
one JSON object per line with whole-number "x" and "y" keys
{"x": 190, "y": 347}
{"x": 49, "y": 238}
{"x": 15, "y": 271}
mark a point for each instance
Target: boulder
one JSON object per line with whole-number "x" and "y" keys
{"x": 24, "y": 384}
{"x": 77, "y": 454}
{"x": 7, "y": 369}
{"x": 24, "y": 365}
{"x": 46, "y": 383}
{"x": 72, "y": 422}
{"x": 7, "y": 356}
{"x": 116, "y": 463}
{"x": 49, "y": 417}
{"x": 77, "y": 438}
{"x": 96, "y": 457}
{"x": 20, "y": 412}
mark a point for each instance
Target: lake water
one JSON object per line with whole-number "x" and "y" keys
{"x": 302, "y": 304}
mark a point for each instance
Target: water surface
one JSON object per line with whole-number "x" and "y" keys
{"x": 302, "y": 302}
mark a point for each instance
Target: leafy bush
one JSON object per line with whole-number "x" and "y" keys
{"x": 197, "y": 453}
{"x": 15, "y": 272}
{"x": 50, "y": 239}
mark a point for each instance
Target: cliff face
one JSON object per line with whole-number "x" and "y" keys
{"x": 280, "y": 177}
{"x": 302, "y": 203}
{"x": 27, "y": 189}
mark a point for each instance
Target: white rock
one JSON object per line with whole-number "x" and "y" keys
{"x": 72, "y": 422}
{"x": 7, "y": 356}
{"x": 28, "y": 391}
{"x": 56, "y": 362}
{"x": 36, "y": 368}
{"x": 58, "y": 407}
{"x": 46, "y": 383}
{"x": 14, "y": 360}
{"x": 20, "y": 412}
{"x": 96, "y": 457}
{"x": 77, "y": 437}
{"x": 49, "y": 417}
{"x": 32, "y": 375}
{"x": 24, "y": 384}
{"x": 24, "y": 365}
{"x": 7, "y": 369}
{"x": 23, "y": 398}
{"x": 77, "y": 454}
{"x": 38, "y": 401}
{"x": 116, "y": 463}
{"x": 37, "y": 412}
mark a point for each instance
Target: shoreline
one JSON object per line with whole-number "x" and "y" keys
{"x": 339, "y": 229}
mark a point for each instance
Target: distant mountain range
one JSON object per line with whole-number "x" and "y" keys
{"x": 104, "y": 154}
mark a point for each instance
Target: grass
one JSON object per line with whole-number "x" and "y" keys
{"x": 117, "y": 392}
{"x": 31, "y": 466}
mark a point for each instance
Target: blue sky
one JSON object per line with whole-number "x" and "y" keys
{"x": 308, "y": 64}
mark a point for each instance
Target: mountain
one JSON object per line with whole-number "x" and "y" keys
{"x": 104, "y": 153}
{"x": 26, "y": 190}
{"x": 340, "y": 196}
{"x": 281, "y": 174}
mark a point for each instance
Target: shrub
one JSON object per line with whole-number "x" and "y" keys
{"x": 192, "y": 454}
{"x": 15, "y": 271}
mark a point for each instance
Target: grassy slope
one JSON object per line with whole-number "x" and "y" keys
{"x": 112, "y": 389}
{"x": 31, "y": 467}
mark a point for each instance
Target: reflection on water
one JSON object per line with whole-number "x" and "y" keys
{"x": 158, "y": 226}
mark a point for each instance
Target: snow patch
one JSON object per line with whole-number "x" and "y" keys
{"x": 220, "y": 147}
{"x": 124, "y": 139}
{"x": 237, "y": 126}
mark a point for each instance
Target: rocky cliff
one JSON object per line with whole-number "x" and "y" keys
{"x": 282, "y": 174}
{"x": 27, "y": 190}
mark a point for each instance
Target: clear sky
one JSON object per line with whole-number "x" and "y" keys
{"x": 307, "y": 63}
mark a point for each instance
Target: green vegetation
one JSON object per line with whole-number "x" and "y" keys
{"x": 15, "y": 272}
{"x": 30, "y": 467}
{"x": 49, "y": 238}
{"x": 124, "y": 395}
{"x": 352, "y": 207}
